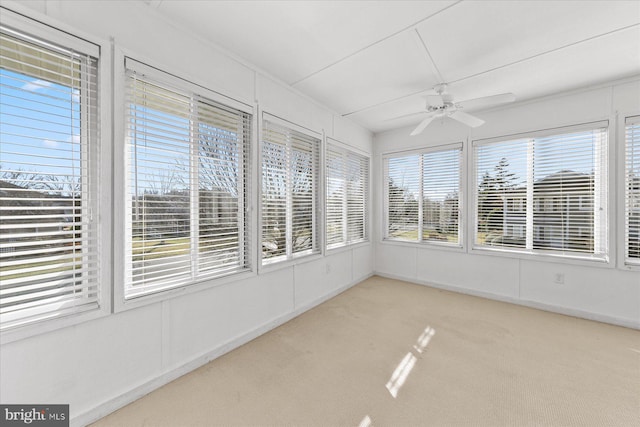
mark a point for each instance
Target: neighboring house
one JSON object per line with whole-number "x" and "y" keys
{"x": 563, "y": 206}
{"x": 563, "y": 212}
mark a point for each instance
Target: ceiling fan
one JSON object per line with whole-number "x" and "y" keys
{"x": 443, "y": 105}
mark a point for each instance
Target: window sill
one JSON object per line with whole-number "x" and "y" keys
{"x": 543, "y": 257}
{"x": 424, "y": 245}
{"x": 267, "y": 268}
{"x": 349, "y": 247}
{"x": 51, "y": 324}
{"x": 197, "y": 286}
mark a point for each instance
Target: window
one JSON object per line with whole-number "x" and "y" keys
{"x": 561, "y": 178}
{"x": 347, "y": 196}
{"x": 632, "y": 190}
{"x": 423, "y": 196}
{"x": 187, "y": 184}
{"x": 48, "y": 180}
{"x": 290, "y": 197}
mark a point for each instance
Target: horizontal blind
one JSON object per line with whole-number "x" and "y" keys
{"x": 440, "y": 196}
{"x": 423, "y": 196}
{"x": 403, "y": 176}
{"x": 544, "y": 194}
{"x": 48, "y": 134}
{"x": 336, "y": 197}
{"x": 501, "y": 194}
{"x": 290, "y": 162}
{"x": 274, "y": 197}
{"x": 187, "y": 186}
{"x": 567, "y": 192}
{"x": 347, "y": 196}
{"x": 632, "y": 190}
{"x": 357, "y": 182}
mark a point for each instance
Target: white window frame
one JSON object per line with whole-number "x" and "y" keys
{"x": 461, "y": 198}
{"x": 367, "y": 197}
{"x": 288, "y": 260}
{"x": 57, "y": 33}
{"x": 624, "y": 262}
{"x": 607, "y": 260}
{"x": 186, "y": 82}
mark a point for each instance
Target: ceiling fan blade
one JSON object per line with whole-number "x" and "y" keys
{"x": 405, "y": 116}
{"x": 423, "y": 124}
{"x": 467, "y": 119}
{"x": 486, "y": 101}
{"x": 435, "y": 100}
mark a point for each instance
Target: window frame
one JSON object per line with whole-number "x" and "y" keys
{"x": 185, "y": 82}
{"x": 450, "y": 146}
{"x": 49, "y": 30}
{"x": 347, "y": 149}
{"x": 623, "y": 261}
{"x": 318, "y": 204}
{"x": 608, "y": 260}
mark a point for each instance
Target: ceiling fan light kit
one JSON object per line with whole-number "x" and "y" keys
{"x": 443, "y": 105}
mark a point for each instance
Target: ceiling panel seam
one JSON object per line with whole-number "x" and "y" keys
{"x": 408, "y": 27}
{"x": 547, "y": 52}
{"x": 493, "y": 69}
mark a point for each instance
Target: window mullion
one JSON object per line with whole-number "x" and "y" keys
{"x": 289, "y": 197}
{"x": 529, "y": 198}
{"x": 241, "y": 192}
{"x": 600, "y": 186}
{"x": 345, "y": 199}
{"x": 421, "y": 197}
{"x": 194, "y": 217}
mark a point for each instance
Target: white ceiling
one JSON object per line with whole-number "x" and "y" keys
{"x": 373, "y": 61}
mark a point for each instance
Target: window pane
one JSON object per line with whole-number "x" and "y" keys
{"x": 403, "y": 181}
{"x": 632, "y": 190}
{"x": 219, "y": 201}
{"x": 302, "y": 198}
{"x": 563, "y": 192}
{"x": 48, "y": 128}
{"x": 441, "y": 183}
{"x": 501, "y": 194}
{"x": 335, "y": 197}
{"x": 274, "y": 200}
{"x": 160, "y": 196}
{"x": 357, "y": 179}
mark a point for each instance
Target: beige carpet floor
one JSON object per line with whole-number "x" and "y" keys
{"x": 391, "y": 353}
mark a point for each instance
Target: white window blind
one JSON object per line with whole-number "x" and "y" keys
{"x": 423, "y": 193}
{"x": 545, "y": 192}
{"x": 188, "y": 184}
{"x": 290, "y": 199}
{"x": 347, "y": 184}
{"x": 632, "y": 190}
{"x": 48, "y": 179}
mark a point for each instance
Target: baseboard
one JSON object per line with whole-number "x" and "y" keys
{"x": 526, "y": 303}
{"x": 132, "y": 395}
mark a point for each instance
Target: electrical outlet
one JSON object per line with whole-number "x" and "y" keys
{"x": 327, "y": 268}
{"x": 558, "y": 278}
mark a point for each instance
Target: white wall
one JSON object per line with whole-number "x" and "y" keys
{"x": 101, "y": 364}
{"x": 593, "y": 290}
